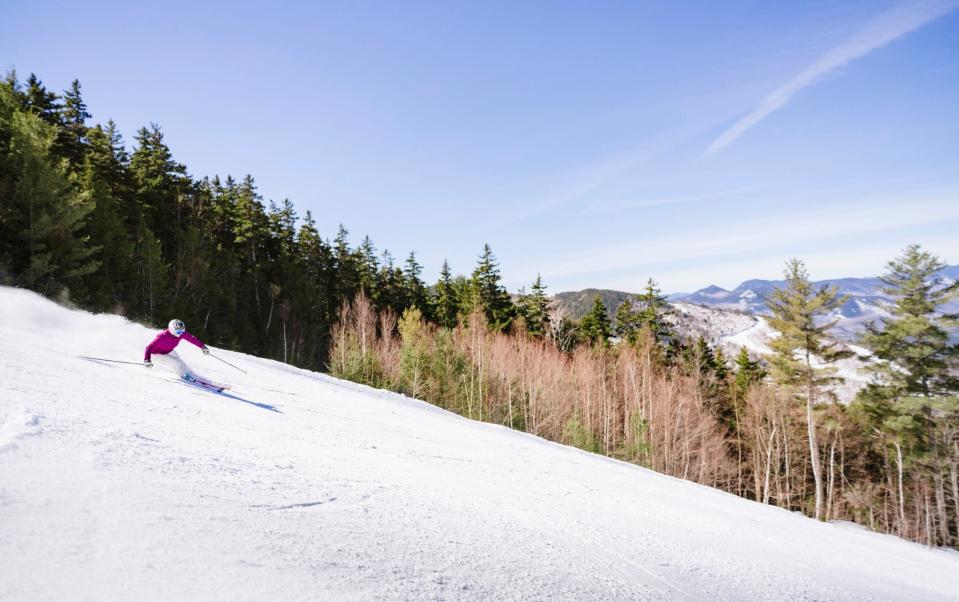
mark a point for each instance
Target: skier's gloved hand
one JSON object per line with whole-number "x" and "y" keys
{"x": 148, "y": 363}
{"x": 206, "y": 350}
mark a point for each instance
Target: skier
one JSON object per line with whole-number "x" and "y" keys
{"x": 163, "y": 345}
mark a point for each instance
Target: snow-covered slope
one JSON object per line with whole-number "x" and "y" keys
{"x": 712, "y": 323}
{"x": 119, "y": 483}
{"x": 732, "y": 330}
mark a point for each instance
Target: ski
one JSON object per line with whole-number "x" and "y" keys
{"x": 218, "y": 387}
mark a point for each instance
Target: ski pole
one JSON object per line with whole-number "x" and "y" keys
{"x": 103, "y": 359}
{"x": 227, "y": 363}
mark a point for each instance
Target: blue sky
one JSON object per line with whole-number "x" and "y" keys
{"x": 598, "y": 143}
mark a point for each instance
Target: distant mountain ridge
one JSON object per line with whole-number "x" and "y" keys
{"x": 866, "y": 300}
{"x": 750, "y": 295}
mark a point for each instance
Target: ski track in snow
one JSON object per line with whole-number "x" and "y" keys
{"x": 118, "y": 483}
{"x": 753, "y": 338}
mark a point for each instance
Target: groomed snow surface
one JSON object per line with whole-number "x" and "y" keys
{"x": 119, "y": 483}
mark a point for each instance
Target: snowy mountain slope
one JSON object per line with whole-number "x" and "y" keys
{"x": 756, "y": 334}
{"x": 732, "y": 330}
{"x": 867, "y": 303}
{"x": 119, "y": 483}
{"x": 713, "y": 324}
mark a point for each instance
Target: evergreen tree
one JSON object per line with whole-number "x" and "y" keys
{"x": 534, "y": 308}
{"x": 41, "y": 102}
{"x": 13, "y": 91}
{"x": 111, "y": 286}
{"x": 369, "y": 268}
{"x": 654, "y": 311}
{"x": 346, "y": 269}
{"x": 390, "y": 287}
{"x": 116, "y": 142}
{"x": 705, "y": 358}
{"x": 447, "y": 299}
{"x": 416, "y": 293}
{"x": 709, "y": 368}
{"x": 159, "y": 184}
{"x": 749, "y": 372}
{"x": 913, "y": 342}
{"x": 282, "y": 220}
{"x": 218, "y": 217}
{"x": 490, "y": 295}
{"x": 11, "y": 102}
{"x": 152, "y": 273}
{"x": 220, "y": 211}
{"x": 46, "y": 211}
{"x": 250, "y": 230}
{"x": 910, "y": 401}
{"x": 467, "y": 293}
{"x": 796, "y": 311}
{"x": 721, "y": 365}
{"x": 109, "y": 160}
{"x": 315, "y": 263}
{"x": 628, "y": 321}
{"x": 281, "y": 271}
{"x": 595, "y": 325}
{"x": 72, "y": 139}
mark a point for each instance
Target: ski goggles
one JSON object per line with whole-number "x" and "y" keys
{"x": 179, "y": 331}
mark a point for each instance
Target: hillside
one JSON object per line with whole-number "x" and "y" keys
{"x": 121, "y": 483}
{"x": 575, "y": 304}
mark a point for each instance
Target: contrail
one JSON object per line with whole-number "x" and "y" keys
{"x": 886, "y": 28}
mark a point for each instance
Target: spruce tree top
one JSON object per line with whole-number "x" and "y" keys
{"x": 797, "y": 312}
{"x": 913, "y": 343}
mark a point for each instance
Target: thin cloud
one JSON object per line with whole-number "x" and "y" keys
{"x": 619, "y": 205}
{"x": 886, "y": 28}
{"x": 592, "y": 177}
{"x": 757, "y": 237}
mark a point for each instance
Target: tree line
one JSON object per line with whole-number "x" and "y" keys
{"x": 85, "y": 220}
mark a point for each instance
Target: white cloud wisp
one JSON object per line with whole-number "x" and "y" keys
{"x": 884, "y": 29}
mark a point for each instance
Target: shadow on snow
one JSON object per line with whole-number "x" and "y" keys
{"x": 258, "y": 404}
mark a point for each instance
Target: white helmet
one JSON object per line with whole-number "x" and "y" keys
{"x": 176, "y": 327}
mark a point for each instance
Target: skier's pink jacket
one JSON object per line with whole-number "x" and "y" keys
{"x": 165, "y": 342}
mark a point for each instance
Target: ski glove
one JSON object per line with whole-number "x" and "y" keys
{"x": 148, "y": 363}
{"x": 206, "y": 350}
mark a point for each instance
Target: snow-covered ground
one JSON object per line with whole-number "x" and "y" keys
{"x": 120, "y": 483}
